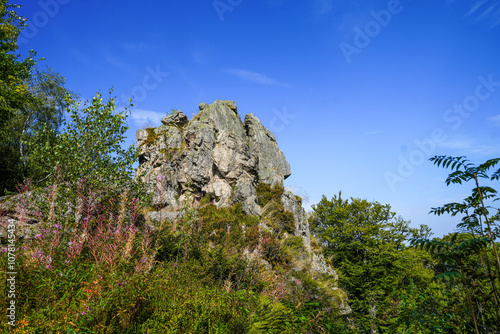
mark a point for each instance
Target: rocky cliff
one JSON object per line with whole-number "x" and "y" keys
{"x": 219, "y": 155}
{"x": 215, "y": 153}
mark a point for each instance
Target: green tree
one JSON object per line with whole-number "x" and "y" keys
{"x": 50, "y": 101}
{"x": 470, "y": 259}
{"x": 366, "y": 243}
{"x": 471, "y": 298}
{"x": 14, "y": 71}
{"x": 45, "y": 108}
{"x": 89, "y": 147}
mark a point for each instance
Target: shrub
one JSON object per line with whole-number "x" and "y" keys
{"x": 89, "y": 147}
{"x": 93, "y": 268}
{"x": 270, "y": 199}
{"x": 266, "y": 193}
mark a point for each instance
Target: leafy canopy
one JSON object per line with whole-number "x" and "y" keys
{"x": 45, "y": 108}
{"x": 366, "y": 244}
{"x": 470, "y": 258}
{"x": 89, "y": 147}
{"x": 13, "y": 71}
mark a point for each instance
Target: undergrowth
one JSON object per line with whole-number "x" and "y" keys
{"x": 94, "y": 265}
{"x": 270, "y": 199}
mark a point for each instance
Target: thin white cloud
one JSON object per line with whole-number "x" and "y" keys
{"x": 80, "y": 57}
{"x": 143, "y": 117}
{"x": 372, "y": 133}
{"x": 255, "y": 77}
{"x": 495, "y": 120}
{"x": 491, "y": 15}
{"x": 484, "y": 15}
{"x": 486, "y": 12}
{"x": 115, "y": 62}
{"x": 457, "y": 144}
{"x": 475, "y": 7}
{"x": 439, "y": 201}
{"x": 470, "y": 146}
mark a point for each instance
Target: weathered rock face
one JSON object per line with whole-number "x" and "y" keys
{"x": 291, "y": 204}
{"x": 215, "y": 153}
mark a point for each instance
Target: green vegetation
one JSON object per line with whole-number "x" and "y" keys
{"x": 270, "y": 199}
{"x": 366, "y": 243}
{"x": 95, "y": 264}
{"x": 467, "y": 261}
{"x": 29, "y": 98}
{"x": 103, "y": 269}
{"x": 400, "y": 281}
{"x": 13, "y": 71}
{"x": 152, "y": 136}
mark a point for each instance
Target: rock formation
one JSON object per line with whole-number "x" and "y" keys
{"x": 218, "y": 155}
{"x": 215, "y": 153}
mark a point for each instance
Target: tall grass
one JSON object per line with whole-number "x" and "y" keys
{"x": 94, "y": 264}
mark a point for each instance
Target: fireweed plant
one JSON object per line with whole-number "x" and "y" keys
{"x": 99, "y": 266}
{"x": 77, "y": 252}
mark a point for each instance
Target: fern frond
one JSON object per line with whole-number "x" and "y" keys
{"x": 458, "y": 176}
{"x": 495, "y": 175}
{"x": 456, "y": 162}
{"x": 453, "y": 208}
{"x": 488, "y": 164}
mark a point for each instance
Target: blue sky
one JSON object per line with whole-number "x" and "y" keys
{"x": 358, "y": 93}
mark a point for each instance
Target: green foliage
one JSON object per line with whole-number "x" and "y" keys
{"x": 152, "y": 136}
{"x": 28, "y": 99}
{"x": 206, "y": 200}
{"x": 89, "y": 148}
{"x": 294, "y": 242}
{"x": 13, "y": 71}
{"x": 97, "y": 268}
{"x": 425, "y": 311}
{"x": 45, "y": 109}
{"x": 469, "y": 172}
{"x": 270, "y": 199}
{"x": 366, "y": 244}
{"x": 266, "y": 193}
{"x": 469, "y": 260}
{"x": 229, "y": 226}
{"x": 75, "y": 257}
{"x": 276, "y": 319}
{"x": 299, "y": 199}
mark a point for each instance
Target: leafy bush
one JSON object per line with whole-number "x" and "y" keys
{"x": 270, "y": 199}
{"x": 94, "y": 267}
{"x": 89, "y": 147}
{"x": 468, "y": 263}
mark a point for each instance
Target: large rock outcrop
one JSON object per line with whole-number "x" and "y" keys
{"x": 218, "y": 155}
{"x": 214, "y": 154}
